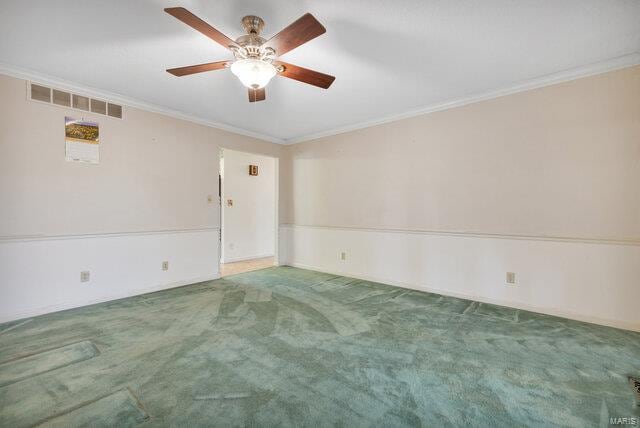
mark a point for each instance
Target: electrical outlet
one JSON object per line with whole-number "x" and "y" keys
{"x": 343, "y": 256}
{"x": 209, "y": 199}
{"x": 511, "y": 278}
{"x": 231, "y": 246}
{"x": 165, "y": 265}
{"x": 84, "y": 276}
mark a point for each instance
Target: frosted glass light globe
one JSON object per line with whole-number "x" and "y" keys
{"x": 253, "y": 73}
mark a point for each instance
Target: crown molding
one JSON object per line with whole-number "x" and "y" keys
{"x": 548, "y": 80}
{"x": 36, "y": 77}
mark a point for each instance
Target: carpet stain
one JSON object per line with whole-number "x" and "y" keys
{"x": 231, "y": 396}
{"x": 33, "y": 365}
{"x": 14, "y": 324}
{"x": 120, "y": 409}
{"x": 291, "y": 347}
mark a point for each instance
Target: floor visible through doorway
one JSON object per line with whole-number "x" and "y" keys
{"x": 227, "y": 269}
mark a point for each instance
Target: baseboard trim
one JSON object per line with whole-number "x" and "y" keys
{"x": 106, "y": 298}
{"x": 242, "y": 259}
{"x": 514, "y": 305}
{"x": 464, "y": 234}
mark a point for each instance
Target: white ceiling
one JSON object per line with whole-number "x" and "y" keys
{"x": 389, "y": 57}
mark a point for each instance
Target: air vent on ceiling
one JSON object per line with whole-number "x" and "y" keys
{"x": 115, "y": 110}
{"x": 80, "y": 102}
{"x": 61, "y": 98}
{"x": 40, "y": 93}
{"x": 98, "y": 106}
{"x": 67, "y": 99}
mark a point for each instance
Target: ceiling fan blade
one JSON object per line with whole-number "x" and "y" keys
{"x": 257, "y": 95}
{"x": 198, "y": 24}
{"x": 301, "y": 31}
{"x": 192, "y": 69}
{"x": 305, "y": 75}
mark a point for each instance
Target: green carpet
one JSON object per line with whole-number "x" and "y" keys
{"x": 291, "y": 347}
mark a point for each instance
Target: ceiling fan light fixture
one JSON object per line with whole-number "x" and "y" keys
{"x": 256, "y": 58}
{"x": 253, "y": 73}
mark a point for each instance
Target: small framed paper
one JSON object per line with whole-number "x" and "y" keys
{"x": 82, "y": 140}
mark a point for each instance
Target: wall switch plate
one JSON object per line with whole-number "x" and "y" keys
{"x": 165, "y": 265}
{"x": 511, "y": 278}
{"x": 343, "y": 255}
{"x": 84, "y": 276}
{"x": 209, "y": 199}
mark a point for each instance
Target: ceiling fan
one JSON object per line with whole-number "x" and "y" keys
{"x": 255, "y": 57}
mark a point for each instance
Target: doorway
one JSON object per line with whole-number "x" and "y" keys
{"x": 248, "y": 191}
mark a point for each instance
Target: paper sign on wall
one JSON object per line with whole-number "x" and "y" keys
{"x": 82, "y": 140}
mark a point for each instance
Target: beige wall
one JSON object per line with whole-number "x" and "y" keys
{"x": 155, "y": 172}
{"x": 561, "y": 161}
{"x": 558, "y": 162}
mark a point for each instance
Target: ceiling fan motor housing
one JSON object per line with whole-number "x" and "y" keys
{"x": 255, "y": 63}
{"x": 253, "y": 24}
{"x": 250, "y": 44}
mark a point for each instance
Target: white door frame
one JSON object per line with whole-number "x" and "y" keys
{"x": 276, "y": 226}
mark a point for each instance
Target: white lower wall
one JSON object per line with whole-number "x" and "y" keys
{"x": 584, "y": 280}
{"x": 41, "y": 275}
